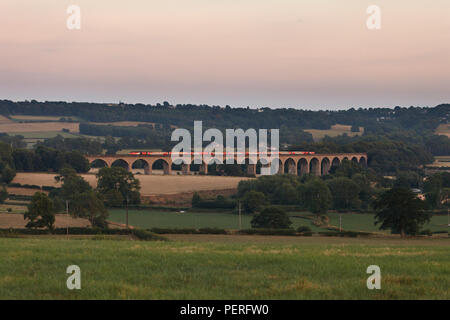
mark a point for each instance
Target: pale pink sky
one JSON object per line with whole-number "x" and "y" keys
{"x": 275, "y": 53}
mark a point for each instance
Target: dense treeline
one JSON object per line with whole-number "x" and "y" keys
{"x": 348, "y": 187}
{"x": 387, "y": 154}
{"x": 375, "y": 120}
{"x": 82, "y": 144}
{"x": 14, "y": 141}
{"x": 135, "y": 137}
{"x": 437, "y": 190}
{"x": 396, "y": 140}
{"x": 44, "y": 159}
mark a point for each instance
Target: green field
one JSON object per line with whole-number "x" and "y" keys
{"x": 310, "y": 268}
{"x": 169, "y": 219}
{"x": 365, "y": 222}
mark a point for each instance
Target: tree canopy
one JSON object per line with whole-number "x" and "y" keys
{"x": 272, "y": 218}
{"x": 40, "y": 212}
{"x": 117, "y": 185}
{"x": 399, "y": 210}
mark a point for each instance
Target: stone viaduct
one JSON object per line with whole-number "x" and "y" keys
{"x": 290, "y": 163}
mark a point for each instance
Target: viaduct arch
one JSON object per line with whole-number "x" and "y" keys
{"x": 295, "y": 164}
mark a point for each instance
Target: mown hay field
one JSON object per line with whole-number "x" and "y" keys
{"x": 32, "y": 127}
{"x": 443, "y": 129}
{"x": 336, "y": 130}
{"x": 310, "y": 268}
{"x": 16, "y": 220}
{"x": 151, "y": 184}
{"x": 440, "y": 162}
{"x": 39, "y": 118}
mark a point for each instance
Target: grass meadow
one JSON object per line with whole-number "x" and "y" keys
{"x": 301, "y": 268}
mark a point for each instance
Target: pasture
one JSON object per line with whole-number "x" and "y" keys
{"x": 125, "y": 123}
{"x": 440, "y": 162}
{"x": 33, "y": 127}
{"x": 335, "y": 130}
{"x": 443, "y": 129}
{"x": 201, "y": 219}
{"x": 298, "y": 268}
{"x": 29, "y": 118}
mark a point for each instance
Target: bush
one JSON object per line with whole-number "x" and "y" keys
{"x": 188, "y": 231}
{"x": 14, "y": 185}
{"x": 426, "y": 232}
{"x": 271, "y": 217}
{"x": 19, "y": 197}
{"x": 173, "y": 231}
{"x": 138, "y": 233}
{"x": 253, "y": 201}
{"x": 7, "y": 174}
{"x": 219, "y": 203}
{"x": 302, "y": 229}
{"x": 212, "y": 231}
{"x": 146, "y": 235}
{"x": 5, "y": 233}
{"x": 3, "y": 194}
{"x": 48, "y": 188}
{"x": 42, "y": 231}
{"x": 352, "y": 234}
{"x": 269, "y": 232}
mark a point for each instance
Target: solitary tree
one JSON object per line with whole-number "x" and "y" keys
{"x": 88, "y": 205}
{"x": 401, "y": 211}
{"x": 83, "y": 201}
{"x": 72, "y": 185}
{"x": 8, "y": 174}
{"x": 196, "y": 200}
{"x": 119, "y": 179}
{"x": 3, "y": 194}
{"x": 271, "y": 217}
{"x": 40, "y": 212}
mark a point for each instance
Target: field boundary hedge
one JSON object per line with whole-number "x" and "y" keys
{"x": 140, "y": 234}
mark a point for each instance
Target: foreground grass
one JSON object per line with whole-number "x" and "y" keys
{"x": 322, "y": 268}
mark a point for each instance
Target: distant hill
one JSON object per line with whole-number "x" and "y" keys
{"x": 150, "y": 126}
{"x": 372, "y": 119}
